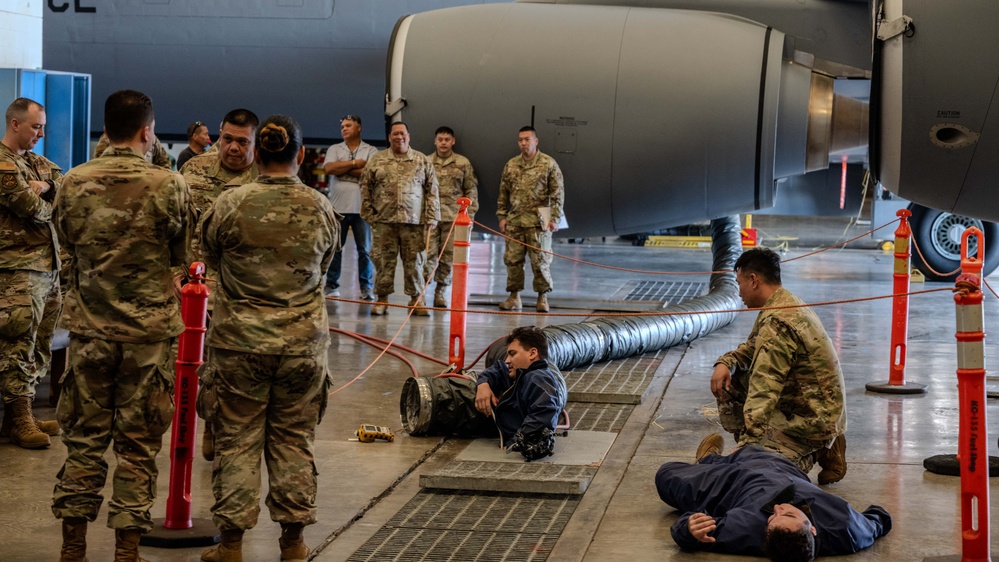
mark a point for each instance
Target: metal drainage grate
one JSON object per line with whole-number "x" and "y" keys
{"x": 667, "y": 292}
{"x": 414, "y": 545}
{"x": 445, "y": 525}
{"x": 621, "y": 381}
{"x": 588, "y": 416}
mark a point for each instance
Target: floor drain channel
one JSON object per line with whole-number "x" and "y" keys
{"x": 474, "y": 526}
{"x": 668, "y": 292}
{"x": 614, "y": 382}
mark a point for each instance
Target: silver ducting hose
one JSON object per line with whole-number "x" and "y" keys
{"x": 441, "y": 405}
{"x": 617, "y": 337}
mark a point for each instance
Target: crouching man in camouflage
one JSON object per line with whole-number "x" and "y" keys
{"x": 125, "y": 224}
{"x": 783, "y": 388}
{"x": 265, "y": 381}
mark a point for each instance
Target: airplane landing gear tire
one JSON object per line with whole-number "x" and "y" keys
{"x": 938, "y": 235}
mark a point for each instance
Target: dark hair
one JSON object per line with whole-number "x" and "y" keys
{"x": 530, "y": 337}
{"x": 528, "y": 128}
{"x": 278, "y": 140}
{"x": 19, "y": 108}
{"x": 241, "y": 118}
{"x": 126, "y": 112}
{"x": 784, "y": 545}
{"x": 444, "y": 130}
{"x": 398, "y": 123}
{"x": 764, "y": 262}
{"x": 351, "y": 117}
{"x": 193, "y": 128}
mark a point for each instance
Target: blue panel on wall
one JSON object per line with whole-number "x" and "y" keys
{"x": 59, "y": 119}
{"x": 81, "y": 118}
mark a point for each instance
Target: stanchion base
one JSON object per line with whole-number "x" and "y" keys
{"x": 202, "y": 533}
{"x": 888, "y": 388}
{"x": 947, "y": 465}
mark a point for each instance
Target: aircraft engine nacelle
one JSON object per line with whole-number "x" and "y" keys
{"x": 936, "y": 103}
{"x": 656, "y": 117}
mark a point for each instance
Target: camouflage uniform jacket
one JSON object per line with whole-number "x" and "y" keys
{"x": 455, "y": 178}
{"x": 795, "y": 382}
{"x": 271, "y": 241}
{"x": 399, "y": 189}
{"x": 156, "y": 153}
{"x": 527, "y": 185}
{"x": 127, "y": 223}
{"x": 27, "y": 239}
{"x": 207, "y": 178}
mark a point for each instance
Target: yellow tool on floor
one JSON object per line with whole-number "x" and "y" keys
{"x": 368, "y": 433}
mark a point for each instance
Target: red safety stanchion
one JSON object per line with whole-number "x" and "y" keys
{"x": 972, "y": 455}
{"x": 178, "y": 529}
{"x": 899, "y": 315}
{"x": 459, "y": 286}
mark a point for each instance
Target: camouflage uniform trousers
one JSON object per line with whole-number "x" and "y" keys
{"x": 541, "y": 262}
{"x": 391, "y": 240}
{"x": 113, "y": 393}
{"x": 801, "y": 452}
{"x": 438, "y": 236}
{"x": 30, "y": 304}
{"x": 266, "y": 404}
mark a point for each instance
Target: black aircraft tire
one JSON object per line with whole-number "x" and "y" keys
{"x": 937, "y": 234}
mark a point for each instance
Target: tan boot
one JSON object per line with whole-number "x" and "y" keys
{"x": 74, "y": 540}
{"x": 420, "y": 308}
{"x": 229, "y": 550}
{"x": 439, "y": 300}
{"x": 710, "y": 445}
{"x": 48, "y": 427}
{"x": 512, "y": 302}
{"x": 292, "y": 544}
{"x": 542, "y": 305}
{"x": 833, "y": 461}
{"x": 23, "y": 432}
{"x": 381, "y": 306}
{"x": 208, "y": 444}
{"x": 126, "y": 545}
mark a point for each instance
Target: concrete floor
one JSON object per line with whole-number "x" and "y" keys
{"x": 620, "y": 516}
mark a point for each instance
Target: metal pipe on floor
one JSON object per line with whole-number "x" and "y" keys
{"x": 617, "y": 337}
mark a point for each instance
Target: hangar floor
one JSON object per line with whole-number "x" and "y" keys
{"x": 371, "y": 506}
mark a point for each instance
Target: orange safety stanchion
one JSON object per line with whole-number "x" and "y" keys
{"x": 179, "y": 530}
{"x": 899, "y": 315}
{"x": 973, "y": 439}
{"x": 459, "y": 286}
{"x": 972, "y": 460}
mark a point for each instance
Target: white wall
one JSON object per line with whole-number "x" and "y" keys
{"x": 21, "y": 33}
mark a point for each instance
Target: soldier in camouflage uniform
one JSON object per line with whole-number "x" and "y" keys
{"x": 210, "y": 173}
{"x": 399, "y": 199}
{"x": 30, "y": 299}
{"x": 155, "y": 155}
{"x": 783, "y": 388}
{"x": 126, "y": 223}
{"x": 530, "y": 181}
{"x": 455, "y": 178}
{"x": 265, "y": 382}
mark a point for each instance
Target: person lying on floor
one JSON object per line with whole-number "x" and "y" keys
{"x": 756, "y": 502}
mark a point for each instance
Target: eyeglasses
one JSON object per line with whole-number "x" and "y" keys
{"x": 198, "y": 124}
{"x": 349, "y": 117}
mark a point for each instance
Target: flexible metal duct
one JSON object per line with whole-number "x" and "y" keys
{"x": 441, "y": 405}
{"x": 617, "y": 337}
